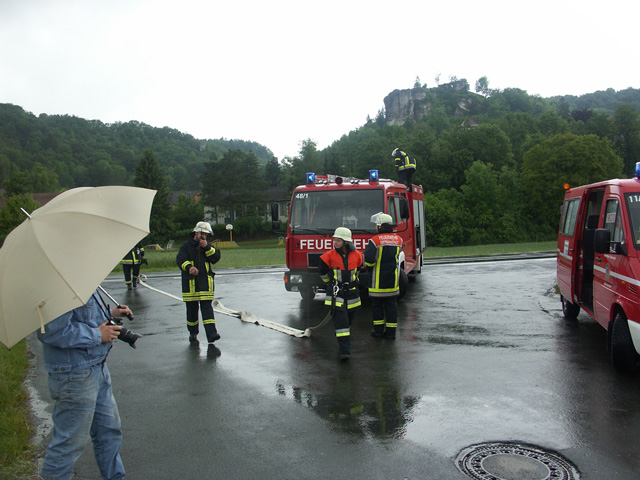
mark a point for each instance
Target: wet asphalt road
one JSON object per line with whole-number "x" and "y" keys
{"x": 483, "y": 354}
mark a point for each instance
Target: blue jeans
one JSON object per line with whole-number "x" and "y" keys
{"x": 84, "y": 406}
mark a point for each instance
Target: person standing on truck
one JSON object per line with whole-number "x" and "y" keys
{"x": 339, "y": 269}
{"x": 381, "y": 258}
{"x": 405, "y": 166}
{"x": 195, "y": 259}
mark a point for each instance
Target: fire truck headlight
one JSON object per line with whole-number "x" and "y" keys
{"x": 373, "y": 175}
{"x": 295, "y": 279}
{"x": 311, "y": 177}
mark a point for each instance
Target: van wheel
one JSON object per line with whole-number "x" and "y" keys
{"x": 404, "y": 284}
{"x": 307, "y": 293}
{"x": 570, "y": 310}
{"x": 623, "y": 353}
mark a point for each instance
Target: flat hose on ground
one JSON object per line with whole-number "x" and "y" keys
{"x": 248, "y": 317}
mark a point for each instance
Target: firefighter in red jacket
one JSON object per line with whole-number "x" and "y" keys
{"x": 131, "y": 262}
{"x": 195, "y": 259}
{"x": 339, "y": 269}
{"x": 381, "y": 258}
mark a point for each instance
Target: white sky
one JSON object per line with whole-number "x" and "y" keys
{"x": 281, "y": 71}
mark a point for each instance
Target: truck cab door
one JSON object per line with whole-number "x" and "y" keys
{"x": 567, "y": 252}
{"x": 610, "y": 268}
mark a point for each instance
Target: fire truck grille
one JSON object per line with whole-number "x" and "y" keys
{"x": 313, "y": 260}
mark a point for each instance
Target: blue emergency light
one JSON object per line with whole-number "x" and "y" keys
{"x": 373, "y": 175}
{"x": 311, "y": 178}
{"x": 637, "y": 169}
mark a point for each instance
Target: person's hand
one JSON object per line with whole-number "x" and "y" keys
{"x": 109, "y": 332}
{"x": 193, "y": 271}
{"x": 203, "y": 243}
{"x": 121, "y": 311}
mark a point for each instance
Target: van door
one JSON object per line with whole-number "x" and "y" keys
{"x": 567, "y": 259}
{"x": 609, "y": 268}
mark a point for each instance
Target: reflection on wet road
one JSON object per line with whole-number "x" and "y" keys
{"x": 483, "y": 354}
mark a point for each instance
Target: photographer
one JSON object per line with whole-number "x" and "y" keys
{"x": 75, "y": 347}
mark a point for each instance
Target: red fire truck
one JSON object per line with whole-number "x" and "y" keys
{"x": 326, "y": 202}
{"x": 598, "y": 262}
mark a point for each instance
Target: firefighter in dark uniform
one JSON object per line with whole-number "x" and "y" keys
{"x": 195, "y": 259}
{"x": 405, "y": 166}
{"x": 381, "y": 258}
{"x": 131, "y": 262}
{"x": 339, "y": 269}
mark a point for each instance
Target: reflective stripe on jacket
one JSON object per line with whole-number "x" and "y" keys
{"x": 133, "y": 256}
{"x": 201, "y": 286}
{"x": 344, "y": 271}
{"x": 381, "y": 257}
{"x": 404, "y": 161}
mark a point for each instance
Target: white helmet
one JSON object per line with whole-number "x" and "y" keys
{"x": 395, "y": 152}
{"x": 381, "y": 218}
{"x": 343, "y": 233}
{"x": 203, "y": 227}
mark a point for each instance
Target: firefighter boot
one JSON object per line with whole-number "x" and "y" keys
{"x": 344, "y": 346}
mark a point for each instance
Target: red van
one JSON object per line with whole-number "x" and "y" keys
{"x": 598, "y": 262}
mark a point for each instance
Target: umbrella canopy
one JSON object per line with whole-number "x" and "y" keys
{"x": 53, "y": 261}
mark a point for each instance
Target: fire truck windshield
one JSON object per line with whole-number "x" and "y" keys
{"x": 322, "y": 211}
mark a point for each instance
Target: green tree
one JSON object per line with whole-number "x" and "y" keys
{"x": 11, "y": 216}
{"x": 567, "y": 158}
{"x": 38, "y": 179}
{"x": 148, "y": 175}
{"x": 273, "y": 172}
{"x": 186, "y": 213}
{"x": 482, "y": 86}
{"x": 627, "y": 136}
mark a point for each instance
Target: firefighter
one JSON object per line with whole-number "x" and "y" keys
{"x": 405, "y": 166}
{"x": 131, "y": 262}
{"x": 195, "y": 259}
{"x": 381, "y": 258}
{"x": 339, "y": 269}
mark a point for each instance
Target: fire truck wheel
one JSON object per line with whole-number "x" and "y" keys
{"x": 623, "y": 353}
{"x": 570, "y": 310}
{"x": 404, "y": 284}
{"x": 307, "y": 293}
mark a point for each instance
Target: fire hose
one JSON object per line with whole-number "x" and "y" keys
{"x": 249, "y": 317}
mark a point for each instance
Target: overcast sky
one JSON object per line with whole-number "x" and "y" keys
{"x": 278, "y": 72}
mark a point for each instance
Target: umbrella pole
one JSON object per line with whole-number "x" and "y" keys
{"x": 130, "y": 316}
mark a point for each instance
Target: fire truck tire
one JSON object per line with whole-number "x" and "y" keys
{"x": 570, "y": 310}
{"x": 623, "y": 353}
{"x": 404, "y": 284}
{"x": 307, "y": 293}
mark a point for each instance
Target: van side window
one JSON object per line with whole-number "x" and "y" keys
{"x": 633, "y": 212}
{"x": 613, "y": 221}
{"x": 569, "y": 215}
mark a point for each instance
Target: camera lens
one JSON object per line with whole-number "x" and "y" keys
{"x": 128, "y": 336}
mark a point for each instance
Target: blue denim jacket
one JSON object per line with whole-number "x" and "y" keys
{"x": 73, "y": 341}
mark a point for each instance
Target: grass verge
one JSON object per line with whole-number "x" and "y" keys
{"x": 17, "y": 454}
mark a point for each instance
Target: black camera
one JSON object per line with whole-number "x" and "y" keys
{"x": 125, "y": 335}
{"x": 144, "y": 261}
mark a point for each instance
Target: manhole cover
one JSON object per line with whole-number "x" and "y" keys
{"x": 513, "y": 461}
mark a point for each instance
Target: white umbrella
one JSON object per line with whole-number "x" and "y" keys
{"x": 53, "y": 261}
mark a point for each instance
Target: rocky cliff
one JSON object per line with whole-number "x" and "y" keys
{"x": 416, "y": 103}
{"x": 400, "y": 105}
